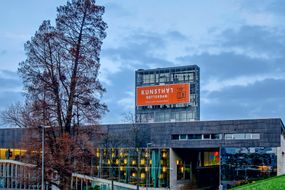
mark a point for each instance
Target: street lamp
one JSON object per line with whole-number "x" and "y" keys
{"x": 43, "y": 153}
{"x": 148, "y": 145}
{"x": 220, "y": 168}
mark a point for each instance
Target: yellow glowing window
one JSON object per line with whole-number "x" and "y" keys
{"x": 177, "y": 162}
{"x": 143, "y": 175}
{"x": 3, "y": 153}
{"x": 142, "y": 161}
{"x": 146, "y": 154}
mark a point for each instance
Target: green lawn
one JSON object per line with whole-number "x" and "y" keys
{"x": 274, "y": 183}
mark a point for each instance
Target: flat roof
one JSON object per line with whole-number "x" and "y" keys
{"x": 170, "y": 68}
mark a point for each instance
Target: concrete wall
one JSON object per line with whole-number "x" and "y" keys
{"x": 269, "y": 130}
{"x": 173, "y": 168}
{"x": 281, "y": 156}
{"x": 159, "y": 134}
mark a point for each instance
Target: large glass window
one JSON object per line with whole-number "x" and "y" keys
{"x": 242, "y": 165}
{"x": 194, "y": 136}
{"x": 242, "y": 136}
{"x": 211, "y": 158}
{"x": 164, "y": 77}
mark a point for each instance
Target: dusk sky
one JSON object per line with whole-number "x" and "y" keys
{"x": 238, "y": 45}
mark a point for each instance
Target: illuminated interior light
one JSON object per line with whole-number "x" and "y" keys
{"x": 143, "y": 175}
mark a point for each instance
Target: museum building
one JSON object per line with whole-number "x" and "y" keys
{"x": 176, "y": 150}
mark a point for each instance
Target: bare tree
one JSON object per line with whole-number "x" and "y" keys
{"x": 15, "y": 115}
{"x": 62, "y": 89}
{"x": 60, "y": 73}
{"x": 136, "y": 132}
{"x": 136, "y": 139}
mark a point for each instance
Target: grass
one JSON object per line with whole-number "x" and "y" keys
{"x": 273, "y": 183}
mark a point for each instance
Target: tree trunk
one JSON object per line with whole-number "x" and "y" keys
{"x": 65, "y": 183}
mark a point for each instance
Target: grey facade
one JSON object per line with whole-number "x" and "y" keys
{"x": 169, "y": 112}
{"x": 161, "y": 134}
{"x": 269, "y": 130}
{"x": 245, "y": 150}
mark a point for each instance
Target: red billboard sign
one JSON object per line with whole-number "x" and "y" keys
{"x": 163, "y": 94}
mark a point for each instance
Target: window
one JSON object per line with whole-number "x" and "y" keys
{"x": 206, "y": 136}
{"x": 151, "y": 79}
{"x": 248, "y": 164}
{"x": 211, "y": 158}
{"x": 194, "y": 136}
{"x": 175, "y": 137}
{"x": 242, "y": 136}
{"x": 216, "y": 136}
{"x": 255, "y": 136}
{"x": 182, "y": 137}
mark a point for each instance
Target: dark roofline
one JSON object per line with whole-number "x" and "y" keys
{"x": 169, "y": 68}
{"x": 203, "y": 121}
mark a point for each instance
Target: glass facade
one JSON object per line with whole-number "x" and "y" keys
{"x": 143, "y": 167}
{"x": 198, "y": 168}
{"x": 11, "y": 154}
{"x": 170, "y": 112}
{"x": 196, "y": 136}
{"x": 150, "y": 167}
{"x": 244, "y": 165}
{"x": 16, "y": 175}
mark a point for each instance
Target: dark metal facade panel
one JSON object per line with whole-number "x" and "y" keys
{"x": 159, "y": 134}
{"x": 269, "y": 130}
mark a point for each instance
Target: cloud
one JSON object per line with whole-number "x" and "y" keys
{"x": 176, "y": 35}
{"x": 264, "y": 99}
{"x": 119, "y": 95}
{"x": 139, "y": 50}
{"x": 226, "y": 65}
{"x": 116, "y": 10}
{"x": 9, "y": 81}
{"x": 244, "y": 76}
{"x": 127, "y": 103}
{"x": 10, "y": 88}
{"x": 277, "y": 7}
{"x": 255, "y": 39}
{"x": 9, "y": 97}
{"x": 244, "y": 81}
{"x": 3, "y": 52}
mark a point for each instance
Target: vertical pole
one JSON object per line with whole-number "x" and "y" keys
{"x": 148, "y": 165}
{"x": 220, "y": 168}
{"x": 149, "y": 168}
{"x": 43, "y": 157}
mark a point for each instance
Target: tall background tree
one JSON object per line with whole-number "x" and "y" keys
{"x": 60, "y": 73}
{"x": 60, "y": 76}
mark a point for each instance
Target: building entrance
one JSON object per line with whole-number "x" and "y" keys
{"x": 197, "y": 168}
